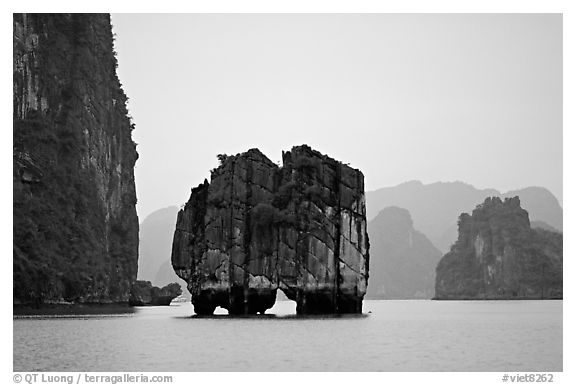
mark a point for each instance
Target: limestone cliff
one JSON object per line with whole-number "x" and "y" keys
{"x": 75, "y": 222}
{"x": 498, "y": 256}
{"x": 257, "y": 227}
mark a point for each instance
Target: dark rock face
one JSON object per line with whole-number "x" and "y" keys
{"x": 498, "y": 256}
{"x": 144, "y": 294}
{"x": 257, "y": 227}
{"x": 75, "y": 222}
{"x": 402, "y": 260}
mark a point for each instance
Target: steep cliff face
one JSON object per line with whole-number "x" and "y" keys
{"x": 403, "y": 261}
{"x": 498, "y": 256}
{"x": 75, "y": 222}
{"x": 257, "y": 227}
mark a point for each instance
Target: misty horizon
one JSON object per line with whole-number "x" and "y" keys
{"x": 475, "y": 98}
{"x": 143, "y": 217}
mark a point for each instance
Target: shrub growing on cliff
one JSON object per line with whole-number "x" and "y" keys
{"x": 264, "y": 215}
{"x": 314, "y": 194}
{"x": 284, "y": 195}
{"x": 217, "y": 199}
{"x": 307, "y": 164}
{"x": 222, "y": 158}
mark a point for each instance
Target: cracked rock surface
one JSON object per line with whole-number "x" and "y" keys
{"x": 257, "y": 227}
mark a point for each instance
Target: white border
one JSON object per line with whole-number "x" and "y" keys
{"x": 309, "y": 6}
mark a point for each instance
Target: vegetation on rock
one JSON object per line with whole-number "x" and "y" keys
{"x": 499, "y": 256}
{"x": 75, "y": 230}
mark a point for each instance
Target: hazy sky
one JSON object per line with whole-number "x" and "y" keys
{"x": 475, "y": 98}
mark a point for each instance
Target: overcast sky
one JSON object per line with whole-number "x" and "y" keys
{"x": 475, "y": 98}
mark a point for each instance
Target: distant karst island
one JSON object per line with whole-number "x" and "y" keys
{"x": 418, "y": 224}
{"x": 144, "y": 294}
{"x": 499, "y": 256}
{"x": 402, "y": 259}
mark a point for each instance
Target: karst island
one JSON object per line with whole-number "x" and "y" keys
{"x": 257, "y": 227}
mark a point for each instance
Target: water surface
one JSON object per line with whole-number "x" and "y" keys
{"x": 504, "y": 336}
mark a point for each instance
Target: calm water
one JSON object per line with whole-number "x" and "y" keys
{"x": 396, "y": 336}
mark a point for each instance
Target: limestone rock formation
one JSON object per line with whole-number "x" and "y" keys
{"x": 499, "y": 256}
{"x": 402, "y": 260}
{"x": 75, "y": 223}
{"x": 144, "y": 294}
{"x": 257, "y": 227}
